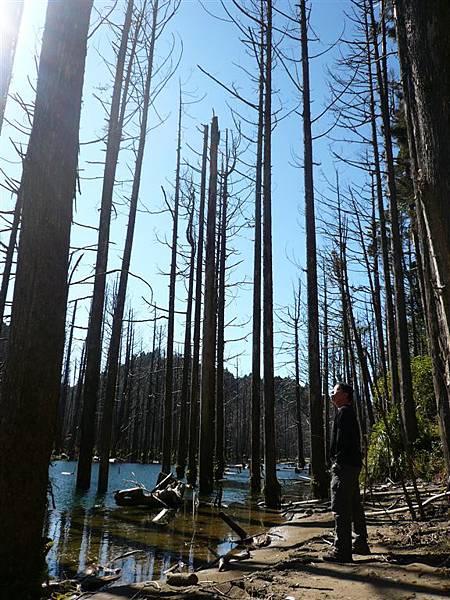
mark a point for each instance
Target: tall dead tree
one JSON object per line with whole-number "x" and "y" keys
{"x": 195, "y": 387}
{"x": 255, "y": 464}
{"x": 116, "y": 329}
{"x": 272, "y": 488}
{"x": 31, "y": 383}
{"x": 207, "y": 402}
{"x": 94, "y": 347}
{"x": 183, "y": 429}
{"x": 318, "y": 469}
{"x": 168, "y": 390}
{"x": 220, "y": 396}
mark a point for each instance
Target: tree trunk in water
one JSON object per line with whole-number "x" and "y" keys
{"x": 272, "y": 488}
{"x": 207, "y": 404}
{"x": 220, "y": 456}
{"x": 116, "y": 330}
{"x": 255, "y": 465}
{"x": 184, "y": 417}
{"x": 318, "y": 469}
{"x": 94, "y": 350}
{"x": 11, "y": 18}
{"x": 168, "y": 390}
{"x": 194, "y": 395}
{"x": 32, "y": 383}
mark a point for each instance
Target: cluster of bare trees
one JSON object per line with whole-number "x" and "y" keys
{"x": 381, "y": 299}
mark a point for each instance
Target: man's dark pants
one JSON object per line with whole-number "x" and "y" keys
{"x": 347, "y": 508}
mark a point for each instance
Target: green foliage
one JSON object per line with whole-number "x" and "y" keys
{"x": 384, "y": 455}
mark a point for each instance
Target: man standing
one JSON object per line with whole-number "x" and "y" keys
{"x": 345, "y": 453}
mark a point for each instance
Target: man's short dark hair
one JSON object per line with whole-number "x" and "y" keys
{"x": 345, "y": 387}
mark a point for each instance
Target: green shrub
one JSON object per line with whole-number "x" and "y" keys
{"x": 384, "y": 456}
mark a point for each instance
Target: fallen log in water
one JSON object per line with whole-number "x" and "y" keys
{"x": 167, "y": 494}
{"x": 138, "y": 496}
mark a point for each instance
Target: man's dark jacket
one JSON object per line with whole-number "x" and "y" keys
{"x": 345, "y": 439}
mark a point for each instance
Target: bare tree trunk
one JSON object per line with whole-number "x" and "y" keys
{"x": 207, "y": 404}
{"x": 11, "y": 18}
{"x": 184, "y": 416}
{"x": 272, "y": 488}
{"x": 93, "y": 352}
{"x": 194, "y": 395}
{"x": 255, "y": 466}
{"x": 168, "y": 390}
{"x": 220, "y": 456}
{"x": 114, "y": 344}
{"x": 32, "y": 378}
{"x": 318, "y": 470}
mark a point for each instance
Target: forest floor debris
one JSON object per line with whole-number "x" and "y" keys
{"x": 410, "y": 559}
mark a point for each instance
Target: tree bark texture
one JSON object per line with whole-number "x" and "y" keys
{"x": 32, "y": 381}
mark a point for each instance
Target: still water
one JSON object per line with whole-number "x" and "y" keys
{"x": 90, "y": 529}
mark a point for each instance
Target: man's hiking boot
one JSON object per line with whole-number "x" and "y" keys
{"x": 361, "y": 548}
{"x": 337, "y": 557}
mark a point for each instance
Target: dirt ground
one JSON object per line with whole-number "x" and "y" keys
{"x": 409, "y": 559}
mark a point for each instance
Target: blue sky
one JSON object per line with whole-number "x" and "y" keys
{"x": 214, "y": 45}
